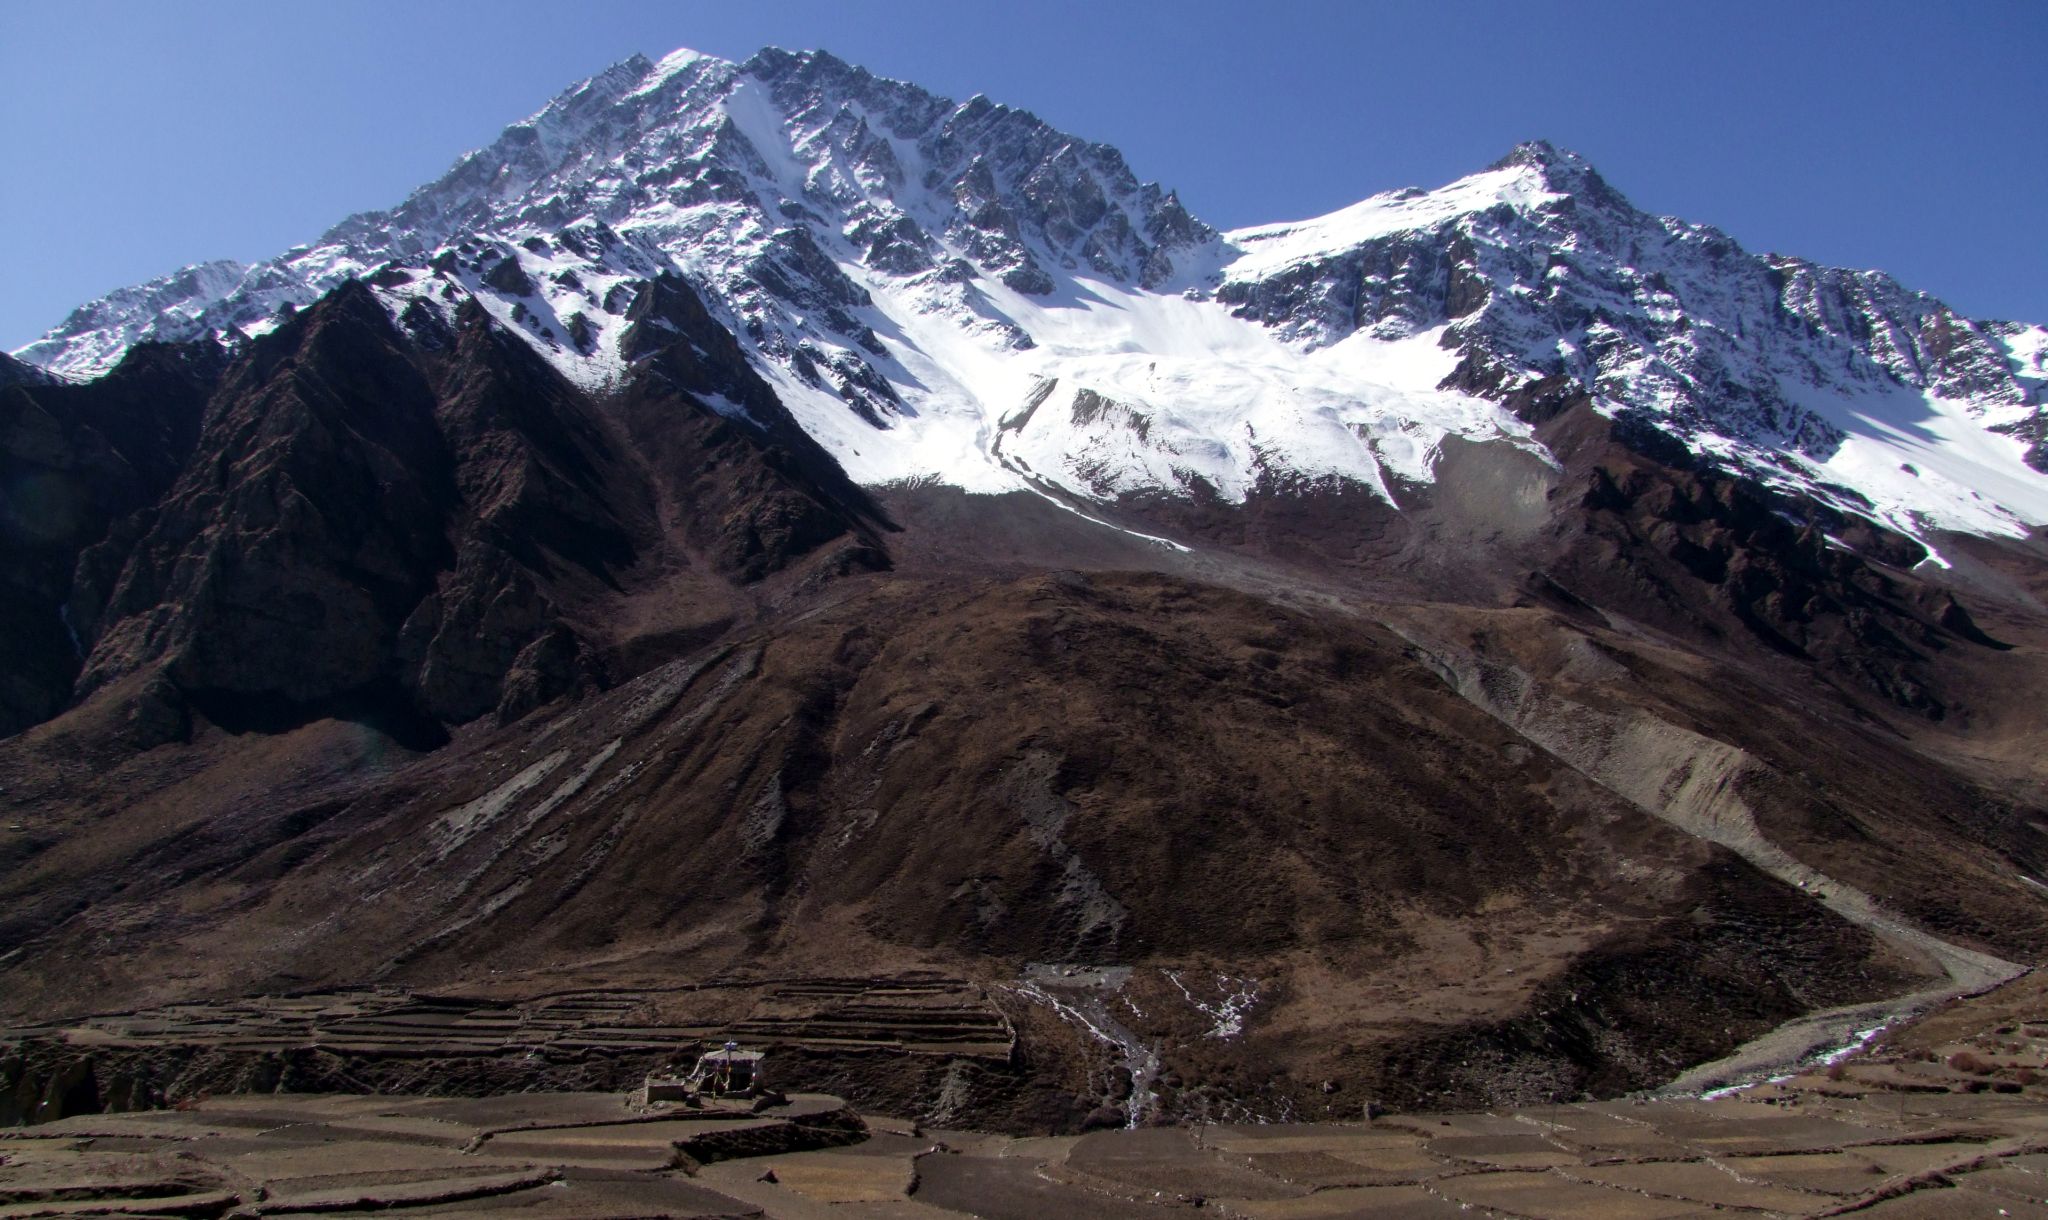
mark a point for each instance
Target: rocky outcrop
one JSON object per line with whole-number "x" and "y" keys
{"x": 275, "y": 574}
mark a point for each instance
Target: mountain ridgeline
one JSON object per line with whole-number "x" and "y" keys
{"x": 761, "y": 522}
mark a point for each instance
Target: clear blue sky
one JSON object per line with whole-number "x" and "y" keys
{"x": 142, "y": 136}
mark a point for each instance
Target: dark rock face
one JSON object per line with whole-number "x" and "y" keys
{"x": 282, "y": 563}
{"x": 506, "y": 277}
{"x": 1660, "y": 991}
{"x": 404, "y": 522}
{"x": 1708, "y": 552}
{"x": 77, "y": 464}
{"x": 1391, "y": 287}
{"x": 769, "y": 506}
{"x": 15, "y": 372}
{"x": 2033, "y": 428}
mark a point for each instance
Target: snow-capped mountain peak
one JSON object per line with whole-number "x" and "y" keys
{"x": 958, "y": 290}
{"x": 1839, "y": 384}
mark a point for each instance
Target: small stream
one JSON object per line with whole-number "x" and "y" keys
{"x": 1081, "y": 996}
{"x": 1815, "y": 1040}
{"x": 1228, "y": 1013}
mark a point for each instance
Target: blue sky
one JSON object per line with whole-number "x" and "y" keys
{"x": 1913, "y": 137}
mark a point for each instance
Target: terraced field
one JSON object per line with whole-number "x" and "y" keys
{"x": 907, "y": 1011}
{"x": 1947, "y": 1117}
{"x": 393, "y": 1041}
{"x": 1806, "y": 1147}
{"x": 559, "y": 1154}
{"x": 931, "y": 1014}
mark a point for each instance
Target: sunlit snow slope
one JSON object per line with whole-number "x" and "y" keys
{"x": 956, "y": 291}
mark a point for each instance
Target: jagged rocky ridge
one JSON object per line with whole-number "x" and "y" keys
{"x": 960, "y": 292}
